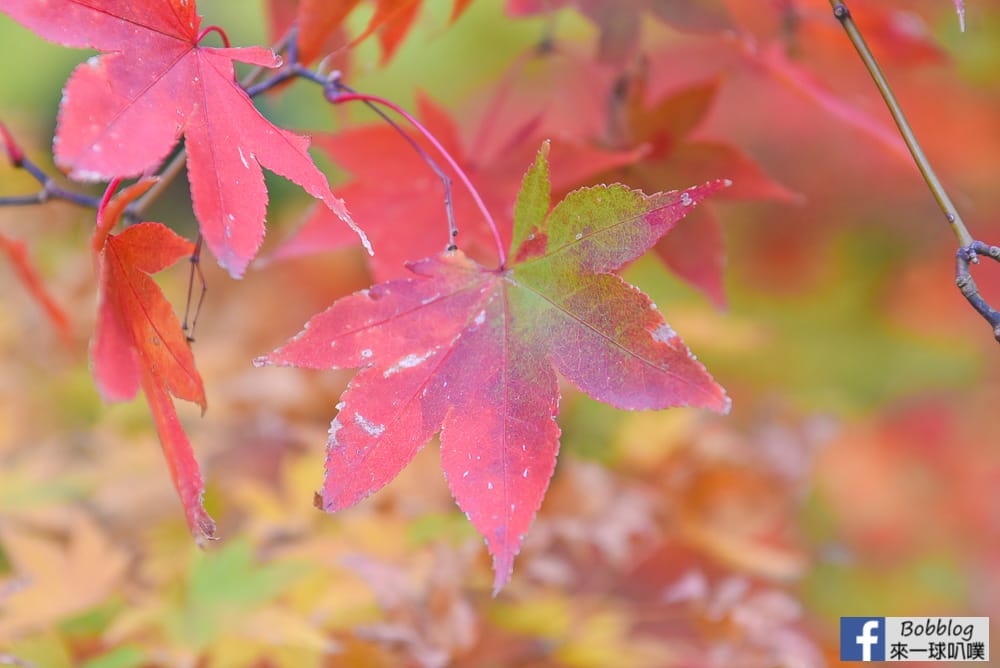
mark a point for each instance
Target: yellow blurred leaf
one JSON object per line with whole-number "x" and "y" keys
{"x": 647, "y": 438}
{"x": 280, "y": 627}
{"x": 546, "y": 617}
{"x": 69, "y": 568}
{"x": 603, "y": 639}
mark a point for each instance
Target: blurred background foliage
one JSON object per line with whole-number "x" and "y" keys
{"x": 859, "y": 473}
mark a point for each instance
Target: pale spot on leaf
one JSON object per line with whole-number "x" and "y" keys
{"x": 370, "y": 428}
{"x": 407, "y": 362}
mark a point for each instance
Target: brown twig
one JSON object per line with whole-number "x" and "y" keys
{"x": 969, "y": 248}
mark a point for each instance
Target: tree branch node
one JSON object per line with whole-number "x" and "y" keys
{"x": 964, "y": 258}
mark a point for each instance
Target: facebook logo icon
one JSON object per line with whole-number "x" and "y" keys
{"x": 862, "y": 638}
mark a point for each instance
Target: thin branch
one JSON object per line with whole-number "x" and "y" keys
{"x": 289, "y": 43}
{"x": 966, "y": 256}
{"x": 951, "y": 214}
{"x": 195, "y": 260}
{"x": 49, "y": 190}
{"x": 336, "y": 97}
{"x": 286, "y": 43}
{"x": 281, "y": 76}
{"x": 334, "y": 86}
{"x": 445, "y": 179}
{"x": 334, "y": 90}
{"x": 969, "y": 249}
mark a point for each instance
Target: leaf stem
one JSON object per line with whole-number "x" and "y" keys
{"x": 843, "y": 14}
{"x": 104, "y": 225}
{"x": 13, "y": 149}
{"x": 195, "y": 260}
{"x": 336, "y": 92}
{"x": 217, "y": 30}
{"x": 445, "y": 179}
{"x": 335, "y": 96}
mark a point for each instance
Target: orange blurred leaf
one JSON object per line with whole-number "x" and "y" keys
{"x": 16, "y": 252}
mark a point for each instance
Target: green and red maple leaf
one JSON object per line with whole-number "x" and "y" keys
{"x": 124, "y": 111}
{"x": 473, "y": 352}
{"x": 458, "y": 347}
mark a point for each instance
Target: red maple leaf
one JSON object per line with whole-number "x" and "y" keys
{"x": 619, "y": 20}
{"x": 677, "y": 154}
{"x": 318, "y": 35}
{"x": 394, "y": 18}
{"x": 321, "y": 22}
{"x": 123, "y": 112}
{"x": 138, "y": 341}
{"x": 558, "y": 86}
{"x": 400, "y": 200}
{"x": 802, "y": 48}
{"x": 472, "y": 352}
{"x": 565, "y": 91}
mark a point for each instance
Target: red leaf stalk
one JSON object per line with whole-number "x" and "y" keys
{"x": 14, "y": 151}
{"x": 104, "y": 223}
{"x": 215, "y": 29}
